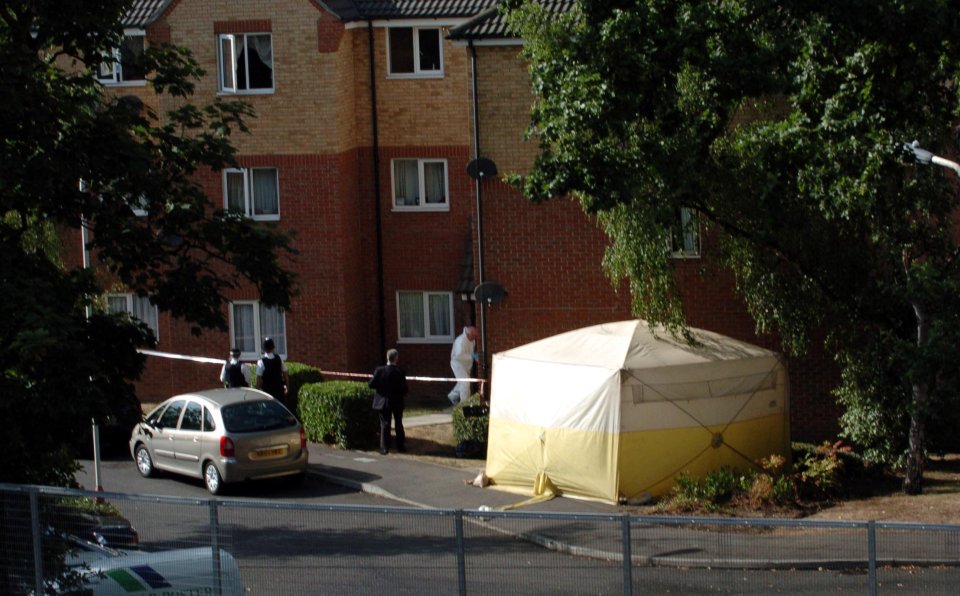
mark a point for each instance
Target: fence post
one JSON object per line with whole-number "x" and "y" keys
{"x": 37, "y": 539}
{"x": 215, "y": 547}
{"x": 461, "y": 556}
{"x": 627, "y": 555}
{"x": 872, "y": 557}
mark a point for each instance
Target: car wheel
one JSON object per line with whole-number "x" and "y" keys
{"x": 144, "y": 461}
{"x": 211, "y": 477}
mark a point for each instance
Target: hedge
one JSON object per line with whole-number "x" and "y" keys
{"x": 299, "y": 375}
{"x": 339, "y": 412}
{"x": 470, "y": 432}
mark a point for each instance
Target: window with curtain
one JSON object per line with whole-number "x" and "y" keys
{"x": 685, "y": 237}
{"x": 253, "y": 192}
{"x": 139, "y": 307}
{"x": 245, "y": 62}
{"x": 251, "y": 323}
{"x": 125, "y": 64}
{"x": 420, "y": 184}
{"x": 425, "y": 316}
{"x": 414, "y": 51}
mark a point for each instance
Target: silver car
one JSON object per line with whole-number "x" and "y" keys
{"x": 221, "y": 435}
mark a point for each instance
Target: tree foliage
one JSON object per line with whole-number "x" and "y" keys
{"x": 76, "y": 155}
{"x": 783, "y": 124}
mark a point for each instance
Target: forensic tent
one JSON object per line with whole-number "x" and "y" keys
{"x": 615, "y": 412}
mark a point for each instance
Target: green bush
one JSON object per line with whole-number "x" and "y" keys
{"x": 712, "y": 491}
{"x": 300, "y": 374}
{"x": 339, "y": 412}
{"x": 470, "y": 428}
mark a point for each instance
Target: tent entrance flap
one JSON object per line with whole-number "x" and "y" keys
{"x": 543, "y": 490}
{"x": 577, "y": 463}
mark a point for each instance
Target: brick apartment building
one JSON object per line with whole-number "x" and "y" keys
{"x": 368, "y": 114}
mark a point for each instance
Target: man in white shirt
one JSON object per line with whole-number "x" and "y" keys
{"x": 462, "y": 357}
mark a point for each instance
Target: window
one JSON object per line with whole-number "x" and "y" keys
{"x": 685, "y": 237}
{"x": 425, "y": 316}
{"x": 414, "y": 51}
{"x": 252, "y": 322}
{"x": 171, "y": 415}
{"x": 254, "y": 192}
{"x": 192, "y": 417}
{"x": 246, "y": 63}
{"x": 125, "y": 65}
{"x": 420, "y": 184}
{"x": 137, "y": 306}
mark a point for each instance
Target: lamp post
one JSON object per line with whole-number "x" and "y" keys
{"x": 913, "y": 480}
{"x": 927, "y": 157}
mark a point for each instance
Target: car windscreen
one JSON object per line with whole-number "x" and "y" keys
{"x": 255, "y": 416}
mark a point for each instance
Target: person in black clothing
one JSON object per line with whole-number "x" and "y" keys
{"x": 272, "y": 373}
{"x": 234, "y": 373}
{"x": 390, "y": 384}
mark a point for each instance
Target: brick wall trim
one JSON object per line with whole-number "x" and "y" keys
{"x": 249, "y": 26}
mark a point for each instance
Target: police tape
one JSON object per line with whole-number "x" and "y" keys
{"x": 330, "y": 373}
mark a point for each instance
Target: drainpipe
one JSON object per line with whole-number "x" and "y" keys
{"x": 381, "y": 314}
{"x": 479, "y": 192}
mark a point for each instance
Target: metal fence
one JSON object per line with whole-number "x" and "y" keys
{"x": 292, "y": 548}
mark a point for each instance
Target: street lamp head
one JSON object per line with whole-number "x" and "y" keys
{"x": 921, "y": 155}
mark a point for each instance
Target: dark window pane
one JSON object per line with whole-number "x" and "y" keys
{"x": 241, "y": 69}
{"x": 401, "y": 50}
{"x": 260, "y": 61}
{"x": 256, "y": 416}
{"x": 429, "y": 49}
{"x": 171, "y": 415}
{"x": 208, "y": 423}
{"x": 192, "y": 417}
{"x": 131, "y": 59}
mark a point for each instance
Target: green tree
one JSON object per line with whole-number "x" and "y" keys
{"x": 782, "y": 123}
{"x": 73, "y": 155}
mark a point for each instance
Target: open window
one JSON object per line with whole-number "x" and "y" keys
{"x": 254, "y": 192}
{"x": 245, "y": 63}
{"x": 125, "y": 64}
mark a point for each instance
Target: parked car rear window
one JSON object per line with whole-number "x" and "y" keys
{"x": 253, "y": 416}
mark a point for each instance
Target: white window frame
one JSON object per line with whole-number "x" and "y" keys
{"x": 227, "y": 48}
{"x": 258, "y": 334}
{"x": 129, "y": 297}
{"x": 428, "y": 337}
{"x": 248, "y": 198}
{"x": 113, "y": 60}
{"x": 684, "y": 253}
{"x": 422, "y": 205}
{"x": 418, "y": 72}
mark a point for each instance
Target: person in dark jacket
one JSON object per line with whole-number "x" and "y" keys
{"x": 234, "y": 373}
{"x": 272, "y": 373}
{"x": 390, "y": 386}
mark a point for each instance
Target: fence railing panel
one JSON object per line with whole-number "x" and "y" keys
{"x": 284, "y": 547}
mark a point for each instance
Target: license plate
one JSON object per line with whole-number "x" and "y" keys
{"x": 270, "y": 453}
